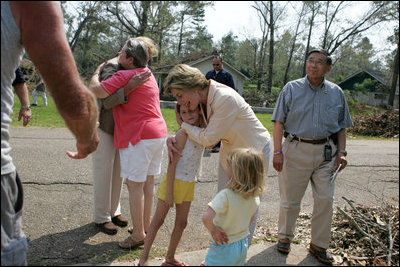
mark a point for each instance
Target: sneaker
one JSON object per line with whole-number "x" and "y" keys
{"x": 108, "y": 228}
{"x": 129, "y": 243}
{"x": 321, "y": 255}
{"x": 33, "y": 104}
{"x": 120, "y": 221}
{"x": 283, "y": 247}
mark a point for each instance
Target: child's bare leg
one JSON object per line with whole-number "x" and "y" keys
{"x": 136, "y": 205}
{"x": 157, "y": 221}
{"x": 182, "y": 212}
{"x": 148, "y": 200}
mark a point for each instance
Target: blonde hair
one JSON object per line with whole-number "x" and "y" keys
{"x": 247, "y": 165}
{"x": 184, "y": 77}
{"x": 151, "y": 46}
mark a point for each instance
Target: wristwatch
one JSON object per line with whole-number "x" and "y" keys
{"x": 28, "y": 107}
{"x": 344, "y": 152}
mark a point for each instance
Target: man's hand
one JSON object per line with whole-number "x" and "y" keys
{"x": 26, "y": 114}
{"x": 278, "y": 162}
{"x": 85, "y": 148}
{"x": 136, "y": 81}
{"x": 340, "y": 159}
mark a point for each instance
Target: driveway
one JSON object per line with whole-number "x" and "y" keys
{"x": 58, "y": 212}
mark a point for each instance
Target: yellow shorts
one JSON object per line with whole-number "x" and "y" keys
{"x": 183, "y": 191}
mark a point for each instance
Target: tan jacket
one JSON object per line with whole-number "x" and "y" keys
{"x": 231, "y": 120}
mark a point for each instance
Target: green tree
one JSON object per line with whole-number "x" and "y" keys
{"x": 88, "y": 34}
{"x": 350, "y": 58}
{"x": 190, "y": 17}
{"x": 228, "y": 47}
{"x": 246, "y": 59}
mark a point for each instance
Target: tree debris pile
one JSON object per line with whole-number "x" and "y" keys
{"x": 360, "y": 235}
{"x": 366, "y": 235}
{"x": 380, "y": 124}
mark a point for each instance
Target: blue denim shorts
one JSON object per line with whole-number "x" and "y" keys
{"x": 233, "y": 254}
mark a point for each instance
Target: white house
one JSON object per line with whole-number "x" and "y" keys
{"x": 204, "y": 64}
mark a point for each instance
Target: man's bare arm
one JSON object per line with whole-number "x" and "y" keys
{"x": 46, "y": 44}
{"x": 22, "y": 92}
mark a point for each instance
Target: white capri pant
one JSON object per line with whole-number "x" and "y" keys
{"x": 107, "y": 180}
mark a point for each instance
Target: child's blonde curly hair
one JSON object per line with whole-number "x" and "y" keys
{"x": 247, "y": 165}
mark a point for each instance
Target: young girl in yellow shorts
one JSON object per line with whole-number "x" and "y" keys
{"x": 177, "y": 187}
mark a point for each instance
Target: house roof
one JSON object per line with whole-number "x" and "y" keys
{"x": 192, "y": 61}
{"x": 378, "y": 75}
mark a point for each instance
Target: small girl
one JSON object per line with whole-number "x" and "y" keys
{"x": 232, "y": 210}
{"x": 177, "y": 187}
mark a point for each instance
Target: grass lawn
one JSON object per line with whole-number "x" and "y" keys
{"x": 48, "y": 117}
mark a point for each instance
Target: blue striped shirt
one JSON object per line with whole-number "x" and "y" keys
{"x": 312, "y": 112}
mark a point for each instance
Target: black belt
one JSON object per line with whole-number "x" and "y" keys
{"x": 314, "y": 142}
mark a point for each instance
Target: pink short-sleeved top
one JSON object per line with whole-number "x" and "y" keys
{"x": 140, "y": 118}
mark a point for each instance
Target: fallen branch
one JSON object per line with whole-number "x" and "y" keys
{"x": 367, "y": 258}
{"x": 389, "y": 254}
{"x": 359, "y": 228}
{"x": 363, "y": 216}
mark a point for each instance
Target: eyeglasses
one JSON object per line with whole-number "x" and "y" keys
{"x": 216, "y": 64}
{"x": 317, "y": 63}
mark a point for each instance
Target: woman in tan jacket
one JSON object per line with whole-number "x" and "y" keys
{"x": 229, "y": 118}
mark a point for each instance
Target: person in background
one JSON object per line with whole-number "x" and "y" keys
{"x": 219, "y": 74}
{"x": 223, "y": 76}
{"x": 30, "y": 26}
{"x": 21, "y": 90}
{"x": 233, "y": 209}
{"x": 40, "y": 90}
{"x": 312, "y": 114}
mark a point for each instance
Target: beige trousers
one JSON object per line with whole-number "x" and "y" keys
{"x": 223, "y": 180}
{"x": 304, "y": 163}
{"x": 107, "y": 181}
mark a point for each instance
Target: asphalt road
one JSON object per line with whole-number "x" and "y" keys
{"x": 58, "y": 212}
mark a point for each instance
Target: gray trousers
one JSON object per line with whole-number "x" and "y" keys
{"x": 304, "y": 163}
{"x": 223, "y": 180}
{"x": 14, "y": 244}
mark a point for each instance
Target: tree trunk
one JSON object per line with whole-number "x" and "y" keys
{"x": 181, "y": 35}
{"x": 286, "y": 76}
{"x": 144, "y": 18}
{"x": 394, "y": 79}
{"x": 314, "y": 11}
{"x": 271, "y": 49}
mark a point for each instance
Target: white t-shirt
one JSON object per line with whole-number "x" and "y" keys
{"x": 233, "y": 213}
{"x": 11, "y": 55}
